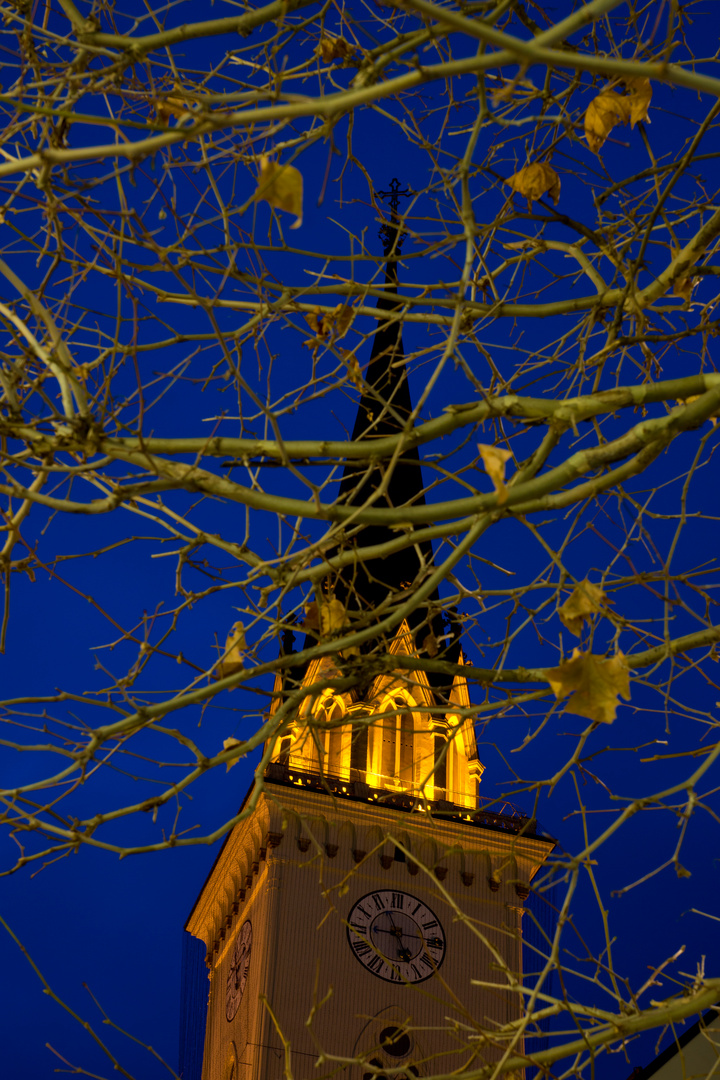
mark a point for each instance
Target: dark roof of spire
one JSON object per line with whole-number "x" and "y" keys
{"x": 384, "y": 409}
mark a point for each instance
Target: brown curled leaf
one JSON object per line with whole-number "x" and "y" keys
{"x": 585, "y": 600}
{"x": 333, "y": 48}
{"x": 536, "y": 180}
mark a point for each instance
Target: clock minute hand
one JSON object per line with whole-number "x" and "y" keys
{"x": 396, "y": 932}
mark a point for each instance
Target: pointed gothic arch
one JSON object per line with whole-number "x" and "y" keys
{"x": 332, "y": 738}
{"x": 393, "y": 742}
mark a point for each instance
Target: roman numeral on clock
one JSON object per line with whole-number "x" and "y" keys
{"x": 396, "y": 937}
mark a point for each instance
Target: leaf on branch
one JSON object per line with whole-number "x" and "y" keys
{"x": 326, "y": 616}
{"x": 232, "y": 660}
{"x": 639, "y": 96}
{"x": 603, "y": 113}
{"x": 316, "y": 321}
{"x": 585, "y": 600}
{"x": 174, "y": 105}
{"x": 333, "y": 48}
{"x": 333, "y": 325}
{"x": 170, "y": 106}
{"x": 683, "y": 286}
{"x": 312, "y": 617}
{"x": 430, "y": 645}
{"x": 343, "y": 319}
{"x": 595, "y": 684}
{"x": 354, "y": 372}
{"x": 494, "y": 459}
{"x": 282, "y": 187}
{"x": 228, "y": 745}
{"x": 332, "y": 615}
{"x": 536, "y": 180}
{"x": 610, "y": 108}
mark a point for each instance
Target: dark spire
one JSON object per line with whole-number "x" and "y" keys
{"x": 385, "y": 408}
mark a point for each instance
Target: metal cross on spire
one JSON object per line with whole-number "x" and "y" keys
{"x": 388, "y": 233}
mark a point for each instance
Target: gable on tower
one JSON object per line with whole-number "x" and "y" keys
{"x": 400, "y": 736}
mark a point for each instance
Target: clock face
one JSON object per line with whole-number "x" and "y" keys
{"x": 239, "y": 966}
{"x": 396, "y": 936}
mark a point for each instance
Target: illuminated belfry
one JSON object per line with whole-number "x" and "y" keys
{"x": 416, "y": 745}
{"x": 329, "y": 920}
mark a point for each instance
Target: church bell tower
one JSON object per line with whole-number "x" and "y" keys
{"x": 367, "y": 913}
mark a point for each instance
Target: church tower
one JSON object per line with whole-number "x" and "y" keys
{"x": 368, "y": 909}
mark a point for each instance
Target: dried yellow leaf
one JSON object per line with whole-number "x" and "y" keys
{"x": 175, "y": 104}
{"x": 595, "y": 684}
{"x": 170, "y": 106}
{"x": 585, "y": 600}
{"x": 282, "y": 187}
{"x": 683, "y": 286}
{"x": 333, "y": 48}
{"x": 334, "y": 324}
{"x": 232, "y": 660}
{"x": 353, "y": 366}
{"x": 343, "y": 319}
{"x": 332, "y": 615}
{"x": 430, "y": 645}
{"x": 494, "y": 458}
{"x": 609, "y": 109}
{"x": 228, "y": 745}
{"x": 316, "y": 321}
{"x": 603, "y": 113}
{"x": 536, "y": 180}
{"x": 639, "y": 96}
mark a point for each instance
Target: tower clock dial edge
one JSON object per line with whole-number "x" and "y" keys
{"x": 238, "y": 972}
{"x": 396, "y": 936}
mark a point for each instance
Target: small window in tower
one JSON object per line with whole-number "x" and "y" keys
{"x": 395, "y": 732}
{"x": 330, "y": 713}
{"x": 388, "y": 745}
{"x": 330, "y": 737}
{"x": 405, "y": 764}
{"x": 359, "y": 753}
{"x": 440, "y": 767}
{"x": 284, "y": 755}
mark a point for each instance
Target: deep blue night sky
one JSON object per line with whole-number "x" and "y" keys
{"x": 110, "y": 929}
